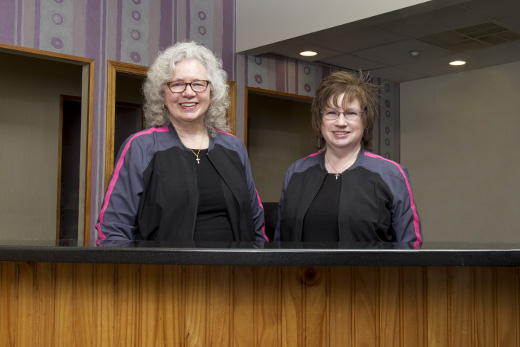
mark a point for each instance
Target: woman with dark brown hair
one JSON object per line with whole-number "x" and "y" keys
{"x": 346, "y": 193}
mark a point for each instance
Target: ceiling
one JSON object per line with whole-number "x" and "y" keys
{"x": 482, "y": 32}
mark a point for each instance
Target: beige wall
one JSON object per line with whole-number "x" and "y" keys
{"x": 29, "y": 135}
{"x": 460, "y": 142}
{"x": 264, "y": 22}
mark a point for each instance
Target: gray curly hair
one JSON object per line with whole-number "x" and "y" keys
{"x": 164, "y": 68}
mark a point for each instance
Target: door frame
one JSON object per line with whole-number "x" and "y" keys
{"x": 113, "y": 68}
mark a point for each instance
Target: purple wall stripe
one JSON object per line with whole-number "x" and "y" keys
{"x": 296, "y": 77}
{"x": 165, "y": 26}
{"x": 280, "y": 73}
{"x": 235, "y": 58}
{"x": 174, "y": 21}
{"x": 228, "y": 48}
{"x": 287, "y": 66}
{"x": 154, "y": 26}
{"x": 104, "y": 36}
{"x": 37, "y": 20}
{"x": 7, "y": 22}
{"x": 19, "y": 23}
{"x": 92, "y": 29}
{"x": 119, "y": 29}
{"x": 325, "y": 71}
{"x": 188, "y": 20}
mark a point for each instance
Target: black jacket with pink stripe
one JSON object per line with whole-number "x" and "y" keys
{"x": 376, "y": 201}
{"x": 153, "y": 194}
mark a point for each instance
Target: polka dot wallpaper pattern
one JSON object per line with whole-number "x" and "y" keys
{"x": 201, "y": 22}
{"x": 57, "y": 16}
{"x": 134, "y": 31}
{"x": 135, "y": 17}
{"x": 388, "y": 128}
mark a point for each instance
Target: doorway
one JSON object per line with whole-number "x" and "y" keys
{"x": 278, "y": 132}
{"x": 30, "y": 109}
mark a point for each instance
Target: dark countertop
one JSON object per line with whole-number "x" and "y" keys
{"x": 271, "y": 254}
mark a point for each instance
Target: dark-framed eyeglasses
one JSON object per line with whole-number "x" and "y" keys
{"x": 198, "y": 86}
{"x": 350, "y": 115}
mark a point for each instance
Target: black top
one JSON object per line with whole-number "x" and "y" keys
{"x": 376, "y": 202}
{"x": 321, "y": 220}
{"x": 212, "y": 223}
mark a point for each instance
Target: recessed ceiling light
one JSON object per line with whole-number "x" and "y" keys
{"x": 308, "y": 53}
{"x": 457, "y": 62}
{"x": 415, "y": 53}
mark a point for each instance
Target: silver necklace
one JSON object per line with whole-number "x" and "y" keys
{"x": 337, "y": 172}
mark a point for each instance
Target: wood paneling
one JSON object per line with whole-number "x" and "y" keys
{"x": 47, "y": 304}
{"x": 291, "y": 333}
{"x": 266, "y": 306}
{"x": 413, "y": 307}
{"x": 243, "y": 306}
{"x": 341, "y": 317}
{"x": 485, "y": 308}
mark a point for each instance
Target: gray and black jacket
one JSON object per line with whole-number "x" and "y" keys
{"x": 153, "y": 195}
{"x": 376, "y": 202}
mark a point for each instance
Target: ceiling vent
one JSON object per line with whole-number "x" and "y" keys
{"x": 471, "y": 38}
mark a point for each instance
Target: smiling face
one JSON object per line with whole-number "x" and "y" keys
{"x": 341, "y": 134}
{"x": 188, "y": 107}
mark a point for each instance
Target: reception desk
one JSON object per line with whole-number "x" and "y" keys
{"x": 159, "y": 294}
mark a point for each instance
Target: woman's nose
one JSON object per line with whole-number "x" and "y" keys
{"x": 188, "y": 91}
{"x": 341, "y": 120}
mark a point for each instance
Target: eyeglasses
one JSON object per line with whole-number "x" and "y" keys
{"x": 349, "y": 115}
{"x": 197, "y": 86}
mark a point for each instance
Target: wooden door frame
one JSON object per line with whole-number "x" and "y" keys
{"x": 114, "y": 67}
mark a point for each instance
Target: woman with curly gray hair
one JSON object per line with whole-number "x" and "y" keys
{"x": 162, "y": 71}
{"x": 184, "y": 178}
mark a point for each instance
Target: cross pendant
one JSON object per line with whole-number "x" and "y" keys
{"x": 198, "y": 160}
{"x": 337, "y": 175}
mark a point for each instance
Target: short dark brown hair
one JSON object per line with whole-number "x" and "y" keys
{"x": 355, "y": 87}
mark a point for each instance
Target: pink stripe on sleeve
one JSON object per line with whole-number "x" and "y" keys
{"x": 311, "y": 155}
{"x": 412, "y": 204}
{"x": 115, "y": 175}
{"x": 224, "y": 132}
{"x": 262, "y": 206}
